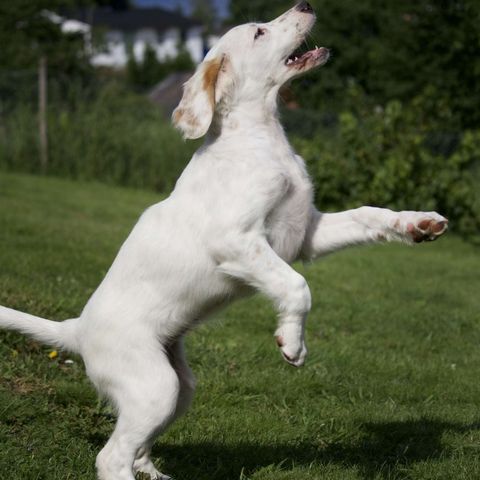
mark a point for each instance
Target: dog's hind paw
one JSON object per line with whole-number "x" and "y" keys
{"x": 145, "y": 470}
{"x": 152, "y": 476}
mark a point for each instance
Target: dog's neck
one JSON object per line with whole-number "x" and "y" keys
{"x": 247, "y": 117}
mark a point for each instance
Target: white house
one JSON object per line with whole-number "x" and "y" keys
{"x": 132, "y": 30}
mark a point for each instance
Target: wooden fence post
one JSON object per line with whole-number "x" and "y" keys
{"x": 42, "y": 112}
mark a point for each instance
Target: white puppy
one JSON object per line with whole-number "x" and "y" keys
{"x": 240, "y": 213}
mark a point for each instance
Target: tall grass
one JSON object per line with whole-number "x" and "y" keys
{"x": 116, "y": 137}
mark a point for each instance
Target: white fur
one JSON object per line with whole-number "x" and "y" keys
{"x": 240, "y": 213}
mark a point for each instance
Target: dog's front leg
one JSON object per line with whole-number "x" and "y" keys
{"x": 253, "y": 261}
{"x": 329, "y": 232}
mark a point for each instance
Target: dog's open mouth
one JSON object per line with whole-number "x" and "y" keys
{"x": 312, "y": 58}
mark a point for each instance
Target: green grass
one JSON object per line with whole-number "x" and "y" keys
{"x": 390, "y": 389}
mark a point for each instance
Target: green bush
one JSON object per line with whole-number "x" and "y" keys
{"x": 117, "y": 137}
{"x": 384, "y": 158}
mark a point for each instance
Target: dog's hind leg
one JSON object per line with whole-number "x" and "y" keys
{"x": 178, "y": 360}
{"x": 187, "y": 382}
{"x": 146, "y": 392}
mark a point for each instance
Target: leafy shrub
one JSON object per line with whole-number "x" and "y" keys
{"x": 383, "y": 158}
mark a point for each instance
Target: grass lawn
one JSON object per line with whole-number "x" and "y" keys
{"x": 390, "y": 390}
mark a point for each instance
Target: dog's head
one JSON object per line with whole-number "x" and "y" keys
{"x": 247, "y": 65}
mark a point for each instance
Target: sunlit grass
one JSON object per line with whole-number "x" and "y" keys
{"x": 390, "y": 389}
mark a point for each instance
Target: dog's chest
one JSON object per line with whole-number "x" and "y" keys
{"x": 288, "y": 221}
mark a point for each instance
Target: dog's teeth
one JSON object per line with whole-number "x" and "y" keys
{"x": 316, "y": 47}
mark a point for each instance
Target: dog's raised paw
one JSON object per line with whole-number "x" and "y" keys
{"x": 422, "y": 226}
{"x": 293, "y": 354}
{"x": 427, "y": 230}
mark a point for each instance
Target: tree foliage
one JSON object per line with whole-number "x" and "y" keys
{"x": 150, "y": 70}
{"x": 205, "y": 11}
{"x": 28, "y": 32}
{"x": 391, "y": 50}
{"x": 243, "y": 11}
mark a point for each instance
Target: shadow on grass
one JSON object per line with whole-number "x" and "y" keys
{"x": 384, "y": 450}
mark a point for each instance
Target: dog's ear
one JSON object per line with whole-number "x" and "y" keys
{"x": 201, "y": 93}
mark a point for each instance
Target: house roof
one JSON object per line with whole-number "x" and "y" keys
{"x": 132, "y": 19}
{"x": 168, "y": 92}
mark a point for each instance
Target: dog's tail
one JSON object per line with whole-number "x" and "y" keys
{"x": 58, "y": 334}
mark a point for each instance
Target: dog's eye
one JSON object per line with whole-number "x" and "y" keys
{"x": 259, "y": 32}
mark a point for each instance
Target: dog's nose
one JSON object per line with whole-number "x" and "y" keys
{"x": 304, "y": 7}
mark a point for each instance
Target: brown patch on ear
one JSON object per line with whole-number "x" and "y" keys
{"x": 177, "y": 115}
{"x": 187, "y": 116}
{"x": 210, "y": 78}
